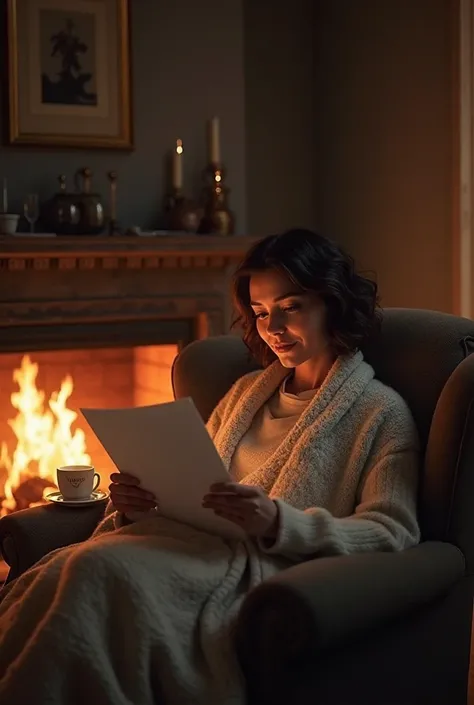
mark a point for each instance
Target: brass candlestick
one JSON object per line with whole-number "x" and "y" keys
{"x": 113, "y": 225}
{"x": 181, "y": 213}
{"x": 218, "y": 219}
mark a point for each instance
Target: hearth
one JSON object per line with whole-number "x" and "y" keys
{"x": 40, "y": 424}
{"x": 95, "y": 322}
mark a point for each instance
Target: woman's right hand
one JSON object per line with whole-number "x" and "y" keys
{"x": 127, "y": 496}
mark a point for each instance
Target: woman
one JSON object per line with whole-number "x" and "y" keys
{"x": 322, "y": 458}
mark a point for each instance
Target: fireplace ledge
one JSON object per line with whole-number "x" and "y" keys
{"x": 127, "y": 252}
{"x": 69, "y": 292}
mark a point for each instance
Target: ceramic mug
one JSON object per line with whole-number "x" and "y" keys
{"x": 77, "y": 481}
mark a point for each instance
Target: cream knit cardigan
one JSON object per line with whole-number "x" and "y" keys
{"x": 345, "y": 477}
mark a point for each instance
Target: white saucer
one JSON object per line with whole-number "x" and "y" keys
{"x": 96, "y": 496}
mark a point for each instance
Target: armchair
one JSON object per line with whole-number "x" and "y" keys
{"x": 374, "y": 629}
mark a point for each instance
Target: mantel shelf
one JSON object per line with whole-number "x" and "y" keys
{"x": 162, "y": 246}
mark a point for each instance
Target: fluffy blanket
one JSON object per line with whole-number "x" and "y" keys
{"x": 140, "y": 616}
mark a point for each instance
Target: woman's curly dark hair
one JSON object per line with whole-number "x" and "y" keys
{"x": 315, "y": 264}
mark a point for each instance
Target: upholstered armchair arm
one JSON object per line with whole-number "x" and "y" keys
{"x": 28, "y": 535}
{"x": 326, "y": 602}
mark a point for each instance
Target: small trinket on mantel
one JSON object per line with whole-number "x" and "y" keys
{"x": 217, "y": 218}
{"x": 61, "y": 213}
{"x": 92, "y": 213}
{"x": 113, "y": 224}
{"x": 181, "y": 213}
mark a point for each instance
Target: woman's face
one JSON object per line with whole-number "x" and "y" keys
{"x": 292, "y": 322}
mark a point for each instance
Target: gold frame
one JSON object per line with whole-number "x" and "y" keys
{"x": 124, "y": 140}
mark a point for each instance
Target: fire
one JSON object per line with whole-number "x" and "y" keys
{"x": 44, "y": 439}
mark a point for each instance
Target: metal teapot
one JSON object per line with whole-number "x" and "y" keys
{"x": 60, "y": 214}
{"x": 91, "y": 210}
{"x": 79, "y": 213}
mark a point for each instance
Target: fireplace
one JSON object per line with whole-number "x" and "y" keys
{"x": 95, "y": 322}
{"x": 40, "y": 397}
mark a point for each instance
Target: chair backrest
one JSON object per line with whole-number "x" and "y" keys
{"x": 206, "y": 369}
{"x": 416, "y": 353}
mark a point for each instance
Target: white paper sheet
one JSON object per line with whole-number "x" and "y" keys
{"x": 167, "y": 447}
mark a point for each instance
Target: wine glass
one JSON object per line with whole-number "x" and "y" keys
{"x": 31, "y": 209}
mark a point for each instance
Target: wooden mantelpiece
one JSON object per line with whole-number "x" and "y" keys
{"x": 66, "y": 292}
{"x": 82, "y": 252}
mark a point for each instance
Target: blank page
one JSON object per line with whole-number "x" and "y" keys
{"x": 168, "y": 448}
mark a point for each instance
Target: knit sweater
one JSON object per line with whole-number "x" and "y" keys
{"x": 345, "y": 476}
{"x": 268, "y": 429}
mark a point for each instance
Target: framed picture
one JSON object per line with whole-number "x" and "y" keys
{"x": 69, "y": 73}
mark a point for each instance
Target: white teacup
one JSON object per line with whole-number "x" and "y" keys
{"x": 77, "y": 481}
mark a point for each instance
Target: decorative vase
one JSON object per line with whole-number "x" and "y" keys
{"x": 60, "y": 214}
{"x": 217, "y": 217}
{"x": 91, "y": 210}
{"x": 182, "y": 214}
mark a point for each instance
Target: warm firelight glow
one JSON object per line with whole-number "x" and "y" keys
{"x": 44, "y": 439}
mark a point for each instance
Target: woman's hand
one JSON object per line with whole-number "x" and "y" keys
{"x": 127, "y": 496}
{"x": 245, "y": 505}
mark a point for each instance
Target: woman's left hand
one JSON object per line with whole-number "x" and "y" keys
{"x": 245, "y": 505}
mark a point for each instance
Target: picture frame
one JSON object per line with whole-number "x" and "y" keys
{"x": 69, "y": 82}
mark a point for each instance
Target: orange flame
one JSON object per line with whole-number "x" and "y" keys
{"x": 44, "y": 438}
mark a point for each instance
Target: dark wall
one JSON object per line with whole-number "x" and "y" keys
{"x": 350, "y": 127}
{"x": 385, "y": 150}
{"x": 280, "y": 114}
{"x": 187, "y": 67}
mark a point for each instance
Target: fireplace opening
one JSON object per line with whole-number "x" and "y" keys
{"x": 41, "y": 393}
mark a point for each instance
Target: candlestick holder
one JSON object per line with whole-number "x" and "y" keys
{"x": 217, "y": 219}
{"x": 113, "y": 226}
{"x": 181, "y": 213}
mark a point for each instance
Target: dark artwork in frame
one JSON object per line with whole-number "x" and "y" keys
{"x": 69, "y": 82}
{"x": 68, "y": 57}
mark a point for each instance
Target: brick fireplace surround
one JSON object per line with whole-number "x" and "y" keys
{"x": 105, "y": 309}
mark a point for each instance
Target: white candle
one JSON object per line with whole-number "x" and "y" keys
{"x": 177, "y": 170}
{"x": 5, "y": 195}
{"x": 214, "y": 141}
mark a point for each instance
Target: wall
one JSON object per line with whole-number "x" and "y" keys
{"x": 385, "y": 132}
{"x": 280, "y": 114}
{"x": 187, "y": 66}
